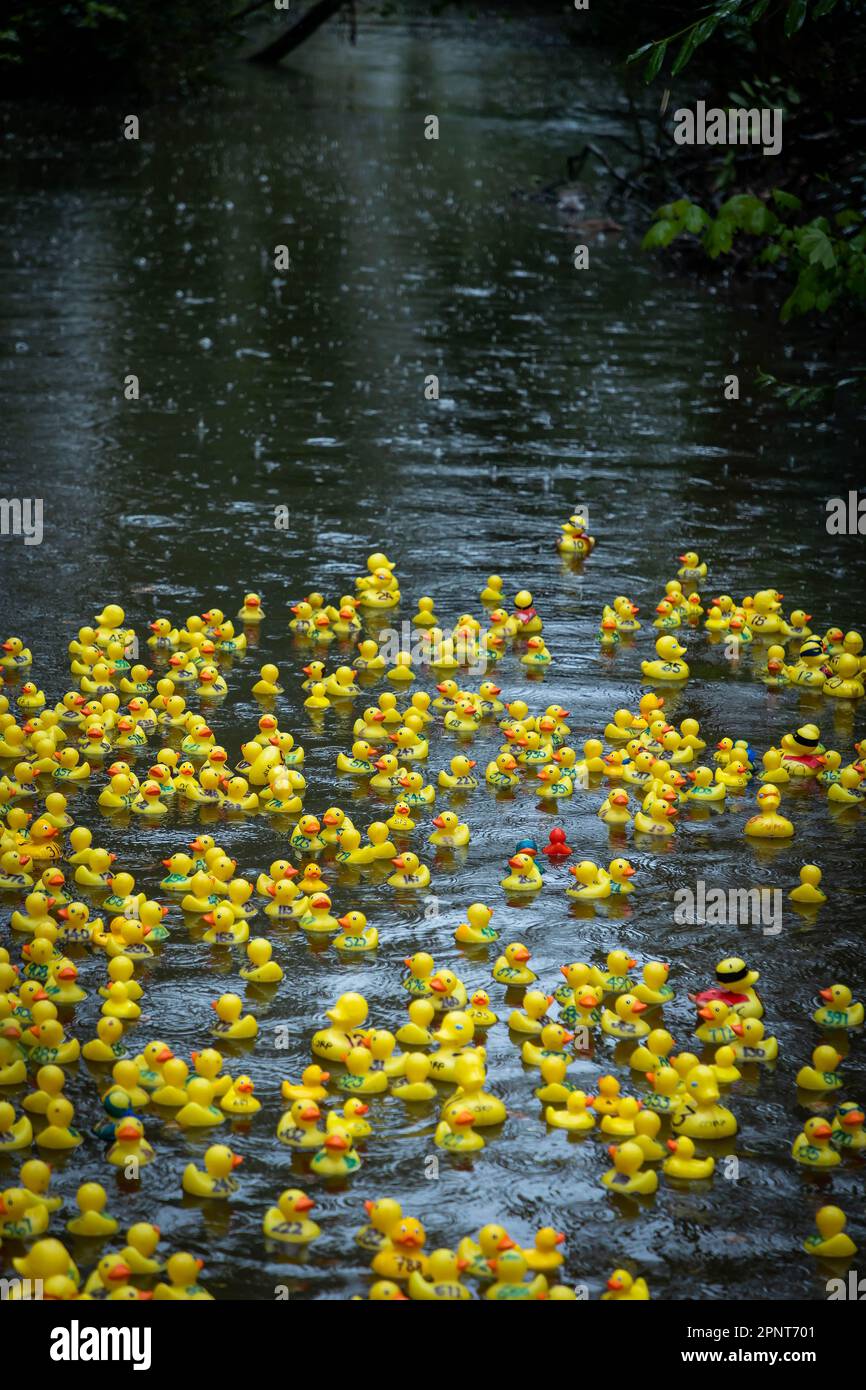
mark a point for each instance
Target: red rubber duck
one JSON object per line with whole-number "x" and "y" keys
{"x": 556, "y": 847}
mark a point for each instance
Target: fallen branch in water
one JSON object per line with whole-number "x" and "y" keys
{"x": 298, "y": 33}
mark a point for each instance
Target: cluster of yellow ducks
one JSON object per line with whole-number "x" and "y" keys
{"x": 77, "y": 907}
{"x": 833, "y": 664}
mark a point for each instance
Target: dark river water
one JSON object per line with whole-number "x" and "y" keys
{"x": 304, "y": 389}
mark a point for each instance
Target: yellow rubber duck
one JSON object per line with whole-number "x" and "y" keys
{"x": 545, "y": 1256}
{"x": 807, "y": 890}
{"x": 511, "y": 969}
{"x": 846, "y": 791}
{"x": 822, "y": 1074}
{"x": 297, "y": 1128}
{"x": 840, "y": 1009}
{"x": 288, "y": 1222}
{"x": 654, "y": 987}
{"x": 400, "y": 821}
{"x": 415, "y": 1087}
{"x": 92, "y": 1222}
{"x": 239, "y": 1100}
{"x": 616, "y": 979}
{"x": 460, "y": 777}
{"x": 130, "y": 1149}
{"x": 312, "y": 1085}
{"x": 830, "y": 1241}
{"x": 751, "y": 1044}
{"x": 15, "y": 1134}
{"x": 183, "y": 1270}
{"x": 592, "y": 882}
{"x": 476, "y": 930}
{"x": 456, "y": 1133}
{"x": 812, "y": 1147}
{"x": 614, "y": 810}
{"x": 659, "y": 821}
{"x": 262, "y": 969}
{"x": 416, "y": 1033}
{"x": 347, "y": 1016}
{"x": 700, "y": 1116}
{"x": 554, "y": 1039}
{"x": 411, "y": 873}
{"x": 624, "y": 1021}
{"x": 718, "y": 1020}
{"x": 576, "y": 1117}
{"x": 682, "y": 1164}
{"x": 532, "y": 1018}
{"x": 230, "y": 1023}
{"x": 449, "y": 832}
{"x": 502, "y": 772}
{"x": 628, "y": 1177}
{"x": 443, "y": 1283}
{"x": 215, "y": 1179}
{"x": 704, "y": 787}
{"x": 510, "y": 1270}
{"x": 668, "y": 666}
{"x": 848, "y": 1131}
{"x": 768, "y": 823}
{"x": 622, "y": 1287}
{"x": 525, "y": 876}
{"x": 337, "y": 1156}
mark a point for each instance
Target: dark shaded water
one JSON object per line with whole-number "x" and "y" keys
{"x": 305, "y": 390}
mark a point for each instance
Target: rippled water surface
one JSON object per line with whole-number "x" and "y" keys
{"x": 305, "y": 390}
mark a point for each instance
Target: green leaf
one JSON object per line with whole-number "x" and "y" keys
{"x": 656, "y": 60}
{"x": 794, "y": 16}
{"x": 823, "y": 7}
{"x": 719, "y": 237}
{"x": 848, "y": 217}
{"x": 817, "y": 248}
{"x": 695, "y": 220}
{"x": 786, "y": 200}
{"x": 639, "y": 52}
{"x": 661, "y": 233}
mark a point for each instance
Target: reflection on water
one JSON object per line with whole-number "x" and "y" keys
{"x": 304, "y": 389}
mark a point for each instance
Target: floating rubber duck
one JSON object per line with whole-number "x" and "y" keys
{"x": 659, "y": 821}
{"x": 182, "y": 1270}
{"x": 92, "y": 1222}
{"x": 449, "y": 832}
{"x": 768, "y": 823}
{"x": 545, "y": 1255}
{"x": 848, "y": 1131}
{"x": 288, "y": 1222}
{"x": 536, "y": 657}
{"x": 622, "y": 1287}
{"x": 717, "y": 1026}
{"x": 525, "y": 876}
{"x": 215, "y": 1180}
{"x": 822, "y": 1074}
{"x": 456, "y": 1133}
{"x": 682, "y": 1164}
{"x": 476, "y": 930}
{"x": 337, "y": 1156}
{"x": 480, "y": 1012}
{"x": 510, "y": 1270}
{"x": 846, "y": 791}
{"x": 230, "y": 1022}
{"x": 840, "y": 1009}
{"x": 616, "y": 979}
{"x": 624, "y": 1021}
{"x": 411, "y": 873}
{"x": 668, "y": 666}
{"x": 347, "y": 1016}
{"x": 807, "y": 890}
{"x": 576, "y": 1117}
{"x": 511, "y": 968}
{"x": 614, "y": 810}
{"x": 460, "y": 777}
{"x": 502, "y": 772}
{"x": 812, "y": 1147}
{"x": 557, "y": 846}
{"x": 830, "y": 1241}
{"x": 416, "y": 1033}
{"x": 700, "y": 1116}
{"x": 554, "y": 1039}
{"x": 654, "y": 988}
{"x": 298, "y": 1126}
{"x": 628, "y": 1177}
{"x": 262, "y": 969}
{"x": 735, "y": 986}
